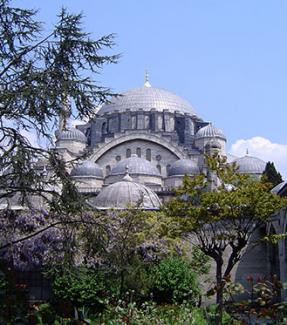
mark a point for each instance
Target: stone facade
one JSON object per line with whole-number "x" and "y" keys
{"x": 158, "y": 127}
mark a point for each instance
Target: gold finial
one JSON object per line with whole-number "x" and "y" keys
{"x": 146, "y": 80}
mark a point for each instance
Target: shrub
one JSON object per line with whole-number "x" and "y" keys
{"x": 150, "y": 313}
{"x": 80, "y": 287}
{"x": 173, "y": 280}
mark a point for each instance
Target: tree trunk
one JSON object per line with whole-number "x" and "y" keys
{"x": 219, "y": 292}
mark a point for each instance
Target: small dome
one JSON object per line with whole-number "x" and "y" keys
{"x": 125, "y": 193}
{"x": 183, "y": 167}
{"x": 278, "y": 189}
{"x": 209, "y": 131}
{"x": 250, "y": 165}
{"x": 72, "y": 134}
{"x": 87, "y": 168}
{"x": 230, "y": 158}
{"x": 135, "y": 166}
{"x": 147, "y": 98}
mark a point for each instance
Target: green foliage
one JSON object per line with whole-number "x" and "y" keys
{"x": 222, "y": 219}
{"x": 227, "y": 318}
{"x": 124, "y": 243}
{"x": 200, "y": 261}
{"x": 173, "y": 280}
{"x": 261, "y": 303}
{"x": 149, "y": 313}
{"x": 80, "y": 287}
{"x": 44, "y": 314}
{"x": 271, "y": 175}
{"x": 40, "y": 73}
{"x": 225, "y": 217}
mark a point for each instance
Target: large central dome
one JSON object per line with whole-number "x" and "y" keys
{"x": 147, "y": 98}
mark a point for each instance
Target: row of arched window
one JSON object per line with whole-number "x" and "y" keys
{"x": 108, "y": 169}
{"x": 139, "y": 153}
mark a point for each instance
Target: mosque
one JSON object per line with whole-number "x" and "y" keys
{"x": 141, "y": 145}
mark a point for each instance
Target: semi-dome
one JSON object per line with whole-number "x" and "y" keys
{"x": 71, "y": 134}
{"x": 124, "y": 194}
{"x": 183, "y": 167}
{"x": 280, "y": 188}
{"x": 209, "y": 131}
{"x": 250, "y": 165}
{"x": 135, "y": 166}
{"x": 147, "y": 98}
{"x": 87, "y": 168}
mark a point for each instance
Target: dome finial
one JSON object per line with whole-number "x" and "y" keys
{"x": 127, "y": 177}
{"x": 247, "y": 152}
{"x": 146, "y": 80}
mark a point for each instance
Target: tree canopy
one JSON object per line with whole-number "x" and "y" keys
{"x": 221, "y": 222}
{"x": 271, "y": 175}
{"x": 43, "y": 75}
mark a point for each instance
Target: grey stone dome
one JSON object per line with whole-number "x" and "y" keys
{"x": 126, "y": 193}
{"x": 230, "y": 158}
{"x": 209, "y": 131}
{"x": 87, "y": 168}
{"x": 182, "y": 167}
{"x": 72, "y": 134}
{"x": 135, "y": 166}
{"x": 278, "y": 189}
{"x": 147, "y": 98}
{"x": 250, "y": 165}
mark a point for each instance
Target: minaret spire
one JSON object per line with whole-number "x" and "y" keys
{"x": 64, "y": 114}
{"x": 146, "y": 80}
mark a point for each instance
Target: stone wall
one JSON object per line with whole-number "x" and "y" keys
{"x": 158, "y": 155}
{"x": 180, "y": 127}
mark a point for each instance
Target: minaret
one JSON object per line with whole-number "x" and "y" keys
{"x": 65, "y": 113}
{"x": 146, "y": 80}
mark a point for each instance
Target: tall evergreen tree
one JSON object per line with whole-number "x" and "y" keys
{"x": 39, "y": 74}
{"x": 271, "y": 175}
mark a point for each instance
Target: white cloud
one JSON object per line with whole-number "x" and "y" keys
{"x": 264, "y": 149}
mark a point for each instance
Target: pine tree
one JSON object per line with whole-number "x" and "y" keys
{"x": 271, "y": 175}
{"x": 38, "y": 74}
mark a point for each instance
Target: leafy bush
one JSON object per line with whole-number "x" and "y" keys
{"x": 262, "y": 301}
{"x": 173, "y": 280}
{"x": 80, "y": 287}
{"x": 150, "y": 313}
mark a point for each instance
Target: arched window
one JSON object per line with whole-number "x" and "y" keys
{"x": 128, "y": 153}
{"x": 148, "y": 154}
{"x": 159, "y": 168}
{"x": 108, "y": 170}
{"x": 104, "y": 128}
{"x": 167, "y": 169}
{"x": 139, "y": 152}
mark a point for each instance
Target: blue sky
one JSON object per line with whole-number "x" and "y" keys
{"x": 227, "y": 58}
